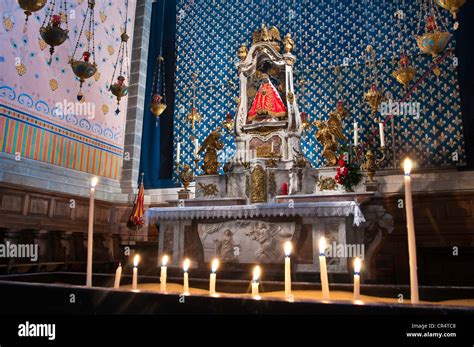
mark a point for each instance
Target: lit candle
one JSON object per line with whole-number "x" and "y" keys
{"x": 212, "y": 282}
{"x": 178, "y": 153}
{"x": 411, "y": 233}
{"x": 272, "y": 148}
{"x": 164, "y": 262}
{"x": 356, "y": 134}
{"x": 196, "y": 148}
{"x": 136, "y": 259}
{"x": 118, "y": 275}
{"x": 382, "y": 135}
{"x": 322, "y": 268}
{"x": 186, "y": 264}
{"x": 90, "y": 233}
{"x": 357, "y": 264}
{"x": 256, "y": 276}
{"x": 288, "y": 248}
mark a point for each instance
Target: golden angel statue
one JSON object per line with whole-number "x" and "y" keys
{"x": 211, "y": 145}
{"x": 288, "y": 43}
{"x": 330, "y": 133}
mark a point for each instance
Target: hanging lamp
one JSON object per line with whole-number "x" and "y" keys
{"x": 85, "y": 67}
{"x": 54, "y": 29}
{"x": 30, "y": 6}
{"x": 119, "y": 88}
{"x": 158, "y": 90}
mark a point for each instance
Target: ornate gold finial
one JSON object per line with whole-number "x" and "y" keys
{"x": 186, "y": 176}
{"x": 242, "y": 52}
{"x": 371, "y": 164}
{"x": 288, "y": 43}
{"x": 211, "y": 145}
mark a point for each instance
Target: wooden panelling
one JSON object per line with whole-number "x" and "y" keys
{"x": 62, "y": 208}
{"x": 11, "y": 202}
{"x": 39, "y": 206}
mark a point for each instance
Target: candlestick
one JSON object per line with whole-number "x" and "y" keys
{"x": 196, "y": 148}
{"x": 323, "y": 269}
{"x": 212, "y": 281}
{"x": 256, "y": 276}
{"x": 288, "y": 248}
{"x": 178, "y": 153}
{"x": 382, "y": 135}
{"x": 164, "y": 262}
{"x": 411, "y": 233}
{"x": 272, "y": 148}
{"x": 136, "y": 259}
{"x": 90, "y": 233}
{"x": 357, "y": 265}
{"x": 118, "y": 275}
{"x": 356, "y": 134}
{"x": 186, "y": 264}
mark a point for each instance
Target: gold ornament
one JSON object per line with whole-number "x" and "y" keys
{"x": 208, "y": 189}
{"x": 330, "y": 133}
{"x": 404, "y": 74}
{"x": 20, "y": 69}
{"x": 433, "y": 43}
{"x": 371, "y": 164}
{"x": 327, "y": 183}
{"x": 451, "y": 5}
{"x": 288, "y": 43}
{"x": 211, "y": 145}
{"x": 105, "y": 109}
{"x": 186, "y": 176}
{"x": 374, "y": 97}
{"x": 30, "y": 6}
{"x": 242, "y": 52}
{"x": 258, "y": 182}
{"x": 53, "y": 84}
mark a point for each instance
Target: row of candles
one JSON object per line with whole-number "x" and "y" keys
{"x": 287, "y": 248}
{"x": 381, "y": 133}
{"x": 255, "y": 278}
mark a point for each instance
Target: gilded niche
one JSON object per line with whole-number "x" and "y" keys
{"x": 258, "y": 185}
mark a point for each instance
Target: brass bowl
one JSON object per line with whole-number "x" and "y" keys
{"x": 404, "y": 75}
{"x": 433, "y": 43}
{"x": 53, "y": 36}
{"x": 30, "y": 6}
{"x": 157, "y": 108}
{"x": 451, "y": 5}
{"x": 119, "y": 91}
{"x": 83, "y": 70}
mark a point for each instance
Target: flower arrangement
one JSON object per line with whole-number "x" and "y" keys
{"x": 347, "y": 174}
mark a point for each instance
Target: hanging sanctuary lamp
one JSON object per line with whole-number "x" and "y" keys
{"x": 30, "y": 6}
{"x": 85, "y": 67}
{"x": 119, "y": 88}
{"x": 374, "y": 96}
{"x": 54, "y": 29}
{"x": 194, "y": 115}
{"x": 433, "y": 38}
{"x": 158, "y": 90}
{"x": 453, "y": 7}
{"x": 404, "y": 73}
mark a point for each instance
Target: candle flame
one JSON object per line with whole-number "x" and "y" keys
{"x": 288, "y": 248}
{"x": 407, "y": 166}
{"x": 94, "y": 181}
{"x": 186, "y": 264}
{"x": 136, "y": 259}
{"x": 322, "y": 245}
{"x": 215, "y": 265}
{"x": 164, "y": 260}
{"x": 357, "y": 265}
{"x": 256, "y": 273}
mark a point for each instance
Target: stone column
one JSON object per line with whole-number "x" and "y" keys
{"x": 136, "y": 96}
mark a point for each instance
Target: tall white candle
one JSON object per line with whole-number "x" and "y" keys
{"x": 118, "y": 275}
{"x": 178, "y": 153}
{"x": 212, "y": 280}
{"x": 272, "y": 148}
{"x": 196, "y": 148}
{"x": 164, "y": 262}
{"x": 323, "y": 269}
{"x": 288, "y": 248}
{"x": 382, "y": 135}
{"x": 90, "y": 233}
{"x": 136, "y": 259}
{"x": 411, "y": 233}
{"x": 186, "y": 264}
{"x": 357, "y": 265}
{"x": 356, "y": 134}
{"x": 256, "y": 277}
